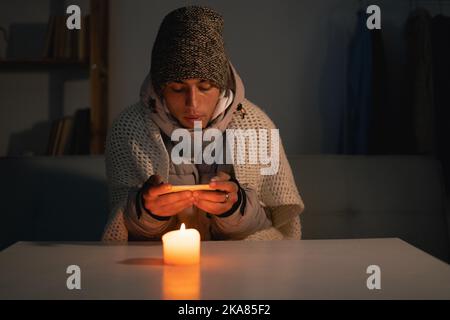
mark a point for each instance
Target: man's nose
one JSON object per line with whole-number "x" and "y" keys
{"x": 191, "y": 98}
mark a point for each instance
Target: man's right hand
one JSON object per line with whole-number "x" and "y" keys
{"x": 159, "y": 202}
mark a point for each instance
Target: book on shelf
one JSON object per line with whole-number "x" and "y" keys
{"x": 48, "y": 46}
{"x": 52, "y": 137}
{"x": 66, "y": 132}
{"x": 84, "y": 39}
{"x": 59, "y": 136}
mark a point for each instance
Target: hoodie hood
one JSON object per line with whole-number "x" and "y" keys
{"x": 228, "y": 103}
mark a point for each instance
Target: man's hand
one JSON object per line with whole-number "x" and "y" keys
{"x": 220, "y": 201}
{"x": 159, "y": 202}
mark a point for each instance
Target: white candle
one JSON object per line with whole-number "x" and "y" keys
{"x": 181, "y": 247}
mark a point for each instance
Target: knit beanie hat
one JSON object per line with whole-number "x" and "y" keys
{"x": 190, "y": 45}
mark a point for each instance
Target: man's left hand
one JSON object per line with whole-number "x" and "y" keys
{"x": 220, "y": 201}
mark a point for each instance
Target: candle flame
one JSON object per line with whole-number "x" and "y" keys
{"x": 183, "y": 227}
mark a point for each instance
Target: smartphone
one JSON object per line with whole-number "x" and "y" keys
{"x": 192, "y": 187}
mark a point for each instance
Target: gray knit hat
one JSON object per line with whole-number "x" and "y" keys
{"x": 189, "y": 45}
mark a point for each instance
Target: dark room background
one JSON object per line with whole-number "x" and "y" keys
{"x": 329, "y": 84}
{"x": 294, "y": 58}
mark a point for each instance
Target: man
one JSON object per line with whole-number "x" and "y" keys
{"x": 193, "y": 86}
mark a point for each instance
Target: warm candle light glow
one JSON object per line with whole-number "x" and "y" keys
{"x": 181, "y": 247}
{"x": 181, "y": 283}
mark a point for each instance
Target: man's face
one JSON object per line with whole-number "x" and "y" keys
{"x": 191, "y": 100}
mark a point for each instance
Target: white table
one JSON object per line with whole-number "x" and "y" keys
{"x": 308, "y": 269}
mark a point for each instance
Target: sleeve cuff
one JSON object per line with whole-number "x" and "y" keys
{"x": 140, "y": 206}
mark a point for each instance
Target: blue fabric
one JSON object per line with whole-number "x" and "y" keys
{"x": 333, "y": 83}
{"x": 355, "y": 138}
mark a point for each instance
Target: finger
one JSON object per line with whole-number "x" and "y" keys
{"x": 215, "y": 196}
{"x": 227, "y": 186}
{"x": 156, "y": 191}
{"x": 166, "y": 199}
{"x": 176, "y": 207}
{"x": 213, "y": 207}
{"x": 221, "y": 176}
{"x": 170, "y": 209}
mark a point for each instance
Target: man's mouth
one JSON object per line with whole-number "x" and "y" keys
{"x": 193, "y": 118}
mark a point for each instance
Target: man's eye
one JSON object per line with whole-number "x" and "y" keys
{"x": 205, "y": 88}
{"x": 174, "y": 89}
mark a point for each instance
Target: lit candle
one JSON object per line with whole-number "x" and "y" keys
{"x": 181, "y": 247}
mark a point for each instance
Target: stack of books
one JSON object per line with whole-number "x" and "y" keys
{"x": 62, "y": 43}
{"x": 70, "y": 135}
